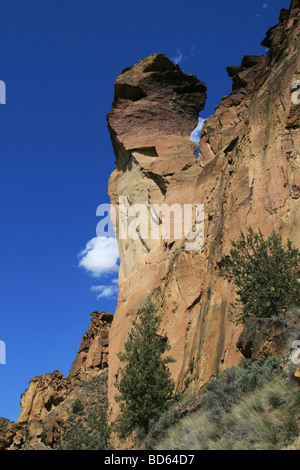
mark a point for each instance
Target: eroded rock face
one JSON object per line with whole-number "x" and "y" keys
{"x": 44, "y": 392}
{"x": 48, "y": 402}
{"x": 10, "y": 433}
{"x": 153, "y": 99}
{"x": 93, "y": 351}
{"x": 247, "y": 174}
{"x": 47, "y": 391}
{"x": 263, "y": 337}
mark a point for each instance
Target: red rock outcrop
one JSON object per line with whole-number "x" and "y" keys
{"x": 247, "y": 174}
{"x": 48, "y": 390}
{"x": 47, "y": 403}
{"x": 93, "y": 351}
{"x": 44, "y": 392}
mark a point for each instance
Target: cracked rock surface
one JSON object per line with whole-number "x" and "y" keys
{"x": 246, "y": 174}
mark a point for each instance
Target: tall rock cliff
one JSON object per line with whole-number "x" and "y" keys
{"x": 246, "y": 174}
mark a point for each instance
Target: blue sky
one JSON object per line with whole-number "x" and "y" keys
{"x": 59, "y": 60}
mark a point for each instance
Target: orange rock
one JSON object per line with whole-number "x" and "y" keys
{"x": 247, "y": 174}
{"x": 47, "y": 391}
{"x": 92, "y": 355}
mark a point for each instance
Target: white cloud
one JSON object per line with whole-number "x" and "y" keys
{"x": 177, "y": 59}
{"x": 264, "y": 6}
{"x": 196, "y": 134}
{"x": 106, "y": 291}
{"x": 100, "y": 256}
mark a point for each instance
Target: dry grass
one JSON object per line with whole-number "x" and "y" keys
{"x": 268, "y": 418}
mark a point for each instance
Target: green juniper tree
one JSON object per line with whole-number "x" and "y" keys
{"x": 266, "y": 275}
{"x": 146, "y": 387}
{"x": 89, "y": 432}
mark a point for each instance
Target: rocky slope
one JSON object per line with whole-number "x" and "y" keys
{"x": 48, "y": 403}
{"x": 247, "y": 173}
